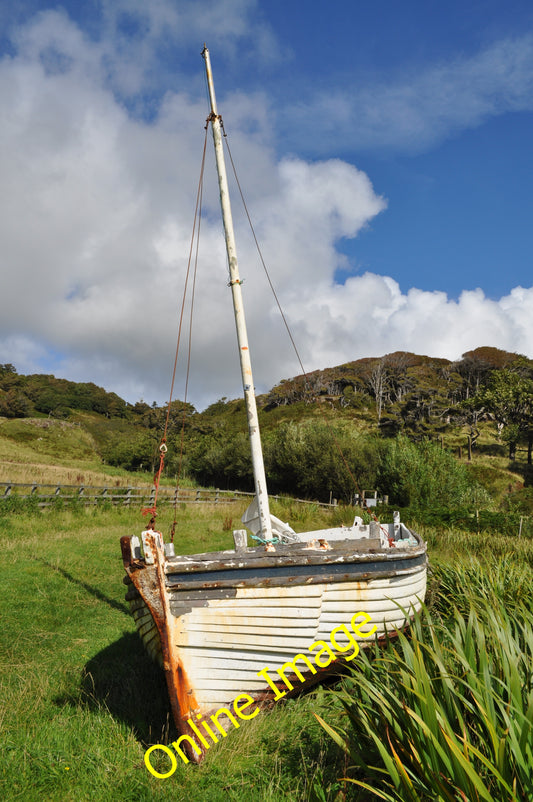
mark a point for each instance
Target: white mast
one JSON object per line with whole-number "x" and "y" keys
{"x": 240, "y": 322}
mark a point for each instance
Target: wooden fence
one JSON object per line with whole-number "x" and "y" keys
{"x": 48, "y": 494}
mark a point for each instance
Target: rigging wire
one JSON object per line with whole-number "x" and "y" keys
{"x": 184, "y": 413}
{"x": 163, "y": 446}
{"x": 304, "y": 372}
{"x": 195, "y": 238}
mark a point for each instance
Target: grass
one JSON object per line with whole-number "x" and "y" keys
{"x": 44, "y": 474}
{"x": 44, "y": 450}
{"x": 46, "y": 438}
{"x": 81, "y": 701}
{"x": 495, "y": 475}
{"x": 446, "y": 711}
{"x": 453, "y": 544}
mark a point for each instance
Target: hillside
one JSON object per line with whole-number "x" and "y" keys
{"x": 479, "y": 408}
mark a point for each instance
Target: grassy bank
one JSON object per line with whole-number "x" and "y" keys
{"x": 81, "y": 702}
{"x": 44, "y": 450}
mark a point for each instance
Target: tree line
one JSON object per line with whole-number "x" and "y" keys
{"x": 365, "y": 409}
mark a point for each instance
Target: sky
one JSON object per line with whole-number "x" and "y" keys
{"x": 384, "y": 151}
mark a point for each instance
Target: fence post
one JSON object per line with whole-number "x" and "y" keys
{"x": 92, "y": 494}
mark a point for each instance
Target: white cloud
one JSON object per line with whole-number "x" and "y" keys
{"x": 95, "y": 220}
{"x": 370, "y": 316}
{"x": 416, "y": 110}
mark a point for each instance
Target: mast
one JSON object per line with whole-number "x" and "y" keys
{"x": 261, "y": 492}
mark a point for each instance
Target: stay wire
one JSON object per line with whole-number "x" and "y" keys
{"x": 163, "y": 447}
{"x": 304, "y": 372}
{"x": 186, "y": 391}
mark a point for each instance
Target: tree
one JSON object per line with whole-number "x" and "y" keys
{"x": 399, "y": 377}
{"x": 378, "y": 382}
{"x": 304, "y": 459}
{"x": 7, "y": 370}
{"x": 476, "y": 366}
{"x": 14, "y": 404}
{"x": 508, "y": 400}
{"x": 133, "y": 452}
{"x": 222, "y": 459}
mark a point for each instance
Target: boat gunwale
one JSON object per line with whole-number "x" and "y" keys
{"x": 257, "y": 557}
{"x": 412, "y": 564}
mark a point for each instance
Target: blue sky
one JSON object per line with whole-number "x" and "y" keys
{"x": 385, "y": 150}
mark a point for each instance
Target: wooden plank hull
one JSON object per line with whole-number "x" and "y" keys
{"x": 225, "y": 646}
{"x": 216, "y": 621}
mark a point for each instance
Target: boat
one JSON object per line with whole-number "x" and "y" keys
{"x": 238, "y": 629}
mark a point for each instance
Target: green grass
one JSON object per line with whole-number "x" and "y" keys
{"x": 45, "y": 437}
{"x": 446, "y": 711}
{"x": 454, "y": 544}
{"x": 81, "y": 701}
{"x": 45, "y": 450}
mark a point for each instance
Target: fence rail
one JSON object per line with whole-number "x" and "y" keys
{"x": 48, "y": 494}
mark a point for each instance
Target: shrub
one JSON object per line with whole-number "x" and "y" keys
{"x": 421, "y": 475}
{"x": 313, "y": 459}
{"x": 14, "y": 504}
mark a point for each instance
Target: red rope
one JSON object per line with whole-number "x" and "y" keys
{"x": 163, "y": 447}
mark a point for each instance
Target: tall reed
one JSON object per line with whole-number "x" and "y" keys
{"x": 445, "y": 712}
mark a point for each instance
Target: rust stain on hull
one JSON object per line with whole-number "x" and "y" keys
{"x": 149, "y": 584}
{"x": 215, "y": 627}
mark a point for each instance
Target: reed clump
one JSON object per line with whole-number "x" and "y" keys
{"x": 445, "y": 711}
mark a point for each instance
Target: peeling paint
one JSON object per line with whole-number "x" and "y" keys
{"x": 220, "y": 617}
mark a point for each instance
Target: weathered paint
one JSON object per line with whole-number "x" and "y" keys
{"x": 238, "y": 309}
{"x": 150, "y": 583}
{"x": 222, "y": 617}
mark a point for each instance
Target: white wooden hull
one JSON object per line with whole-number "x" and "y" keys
{"x": 216, "y": 621}
{"x": 225, "y": 645}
